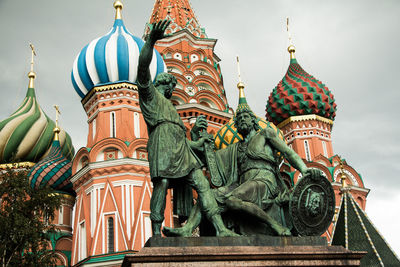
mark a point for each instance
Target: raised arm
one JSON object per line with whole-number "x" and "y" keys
{"x": 146, "y": 54}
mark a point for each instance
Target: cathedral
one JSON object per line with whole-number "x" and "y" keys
{"x": 106, "y": 185}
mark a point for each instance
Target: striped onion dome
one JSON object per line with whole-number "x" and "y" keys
{"x": 111, "y": 58}
{"x": 54, "y": 170}
{"x": 299, "y": 93}
{"x": 228, "y": 134}
{"x": 28, "y": 133}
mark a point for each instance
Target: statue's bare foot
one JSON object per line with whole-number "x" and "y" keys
{"x": 169, "y": 231}
{"x": 227, "y": 232}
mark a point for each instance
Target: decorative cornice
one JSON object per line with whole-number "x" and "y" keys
{"x": 183, "y": 107}
{"x": 92, "y": 104}
{"x": 108, "y": 163}
{"x": 178, "y": 36}
{"x": 108, "y": 87}
{"x": 129, "y": 107}
{"x": 127, "y": 182}
{"x": 304, "y": 118}
{"x": 95, "y": 186}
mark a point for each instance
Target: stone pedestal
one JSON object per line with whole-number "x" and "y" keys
{"x": 242, "y": 251}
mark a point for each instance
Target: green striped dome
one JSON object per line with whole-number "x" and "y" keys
{"x": 27, "y": 134}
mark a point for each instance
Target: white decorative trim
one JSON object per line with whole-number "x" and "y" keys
{"x": 95, "y": 186}
{"x": 108, "y": 163}
{"x": 134, "y": 99}
{"x": 128, "y": 182}
{"x": 129, "y": 107}
{"x": 349, "y": 174}
{"x": 204, "y": 108}
{"x": 324, "y": 148}
{"x": 94, "y": 129}
{"x": 79, "y": 208}
{"x": 136, "y": 124}
{"x": 185, "y": 35}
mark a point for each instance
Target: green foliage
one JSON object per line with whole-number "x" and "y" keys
{"x": 25, "y": 214}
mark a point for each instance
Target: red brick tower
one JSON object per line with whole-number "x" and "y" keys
{"x": 110, "y": 175}
{"x": 304, "y": 109}
{"x": 189, "y": 56}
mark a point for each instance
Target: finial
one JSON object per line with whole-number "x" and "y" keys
{"x": 342, "y": 176}
{"x": 243, "y": 106}
{"x": 56, "y": 130}
{"x": 118, "y": 7}
{"x": 31, "y": 74}
{"x": 291, "y": 49}
{"x": 240, "y": 84}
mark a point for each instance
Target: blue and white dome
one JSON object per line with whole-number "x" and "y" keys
{"x": 111, "y": 58}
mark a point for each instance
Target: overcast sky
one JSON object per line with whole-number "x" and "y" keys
{"x": 351, "y": 46}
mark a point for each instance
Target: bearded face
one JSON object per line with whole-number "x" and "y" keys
{"x": 165, "y": 83}
{"x": 168, "y": 91}
{"x": 244, "y": 123}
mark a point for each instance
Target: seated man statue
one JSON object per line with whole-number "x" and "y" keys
{"x": 252, "y": 183}
{"x": 170, "y": 153}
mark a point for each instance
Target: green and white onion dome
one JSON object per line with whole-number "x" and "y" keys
{"x": 27, "y": 135}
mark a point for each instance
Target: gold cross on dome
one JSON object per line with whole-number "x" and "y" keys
{"x": 288, "y": 31}
{"x": 238, "y": 68}
{"x": 33, "y": 54}
{"x": 57, "y": 113}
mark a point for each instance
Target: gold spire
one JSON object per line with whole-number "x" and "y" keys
{"x": 240, "y": 84}
{"x": 31, "y": 74}
{"x": 118, "y": 7}
{"x": 56, "y": 130}
{"x": 291, "y": 49}
{"x": 342, "y": 176}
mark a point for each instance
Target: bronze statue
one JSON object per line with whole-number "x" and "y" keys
{"x": 170, "y": 153}
{"x": 252, "y": 182}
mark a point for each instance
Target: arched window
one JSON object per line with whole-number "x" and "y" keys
{"x": 194, "y": 58}
{"x": 307, "y": 150}
{"x": 82, "y": 241}
{"x": 110, "y": 243}
{"x": 94, "y": 128}
{"x": 113, "y": 126}
{"x": 178, "y": 56}
{"x": 324, "y": 149}
{"x": 136, "y": 124}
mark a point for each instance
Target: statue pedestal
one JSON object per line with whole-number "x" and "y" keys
{"x": 242, "y": 251}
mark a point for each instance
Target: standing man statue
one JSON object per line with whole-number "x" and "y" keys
{"x": 253, "y": 186}
{"x": 170, "y": 153}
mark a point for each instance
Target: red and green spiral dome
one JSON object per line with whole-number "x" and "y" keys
{"x": 299, "y": 93}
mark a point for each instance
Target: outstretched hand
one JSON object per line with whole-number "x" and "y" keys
{"x": 157, "y": 32}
